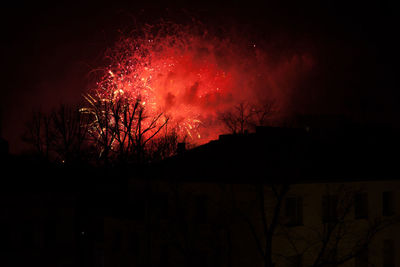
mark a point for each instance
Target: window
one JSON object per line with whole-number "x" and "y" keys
{"x": 28, "y": 237}
{"x": 329, "y": 208}
{"x": 137, "y": 201}
{"x": 202, "y": 259}
{"x": 331, "y": 257}
{"x": 117, "y": 241}
{"x": 160, "y": 206}
{"x": 388, "y": 253}
{"x": 134, "y": 243}
{"x": 50, "y": 233}
{"x": 361, "y": 260}
{"x": 293, "y": 211}
{"x": 200, "y": 209}
{"x": 387, "y": 203}
{"x": 164, "y": 256}
{"x": 361, "y": 206}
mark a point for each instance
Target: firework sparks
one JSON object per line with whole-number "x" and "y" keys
{"x": 190, "y": 77}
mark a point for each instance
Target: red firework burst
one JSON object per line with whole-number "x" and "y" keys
{"x": 190, "y": 76}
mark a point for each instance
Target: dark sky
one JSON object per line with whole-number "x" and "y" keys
{"x": 48, "y": 50}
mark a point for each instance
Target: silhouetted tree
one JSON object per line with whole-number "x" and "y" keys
{"x": 340, "y": 237}
{"x": 246, "y": 116}
{"x": 38, "y": 133}
{"x": 188, "y": 221}
{"x": 266, "y": 218}
{"x": 59, "y": 135}
{"x": 121, "y": 127}
{"x": 163, "y": 146}
{"x": 262, "y": 113}
{"x": 335, "y": 239}
{"x": 70, "y": 132}
{"x": 237, "y": 120}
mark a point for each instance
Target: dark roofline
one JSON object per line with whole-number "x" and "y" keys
{"x": 322, "y": 168}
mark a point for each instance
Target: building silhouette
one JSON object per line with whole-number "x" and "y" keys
{"x": 307, "y": 196}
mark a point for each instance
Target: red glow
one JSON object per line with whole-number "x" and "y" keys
{"x": 192, "y": 76}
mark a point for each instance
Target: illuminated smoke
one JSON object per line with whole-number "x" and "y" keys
{"x": 192, "y": 76}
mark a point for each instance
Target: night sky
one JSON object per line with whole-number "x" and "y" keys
{"x": 49, "y": 49}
